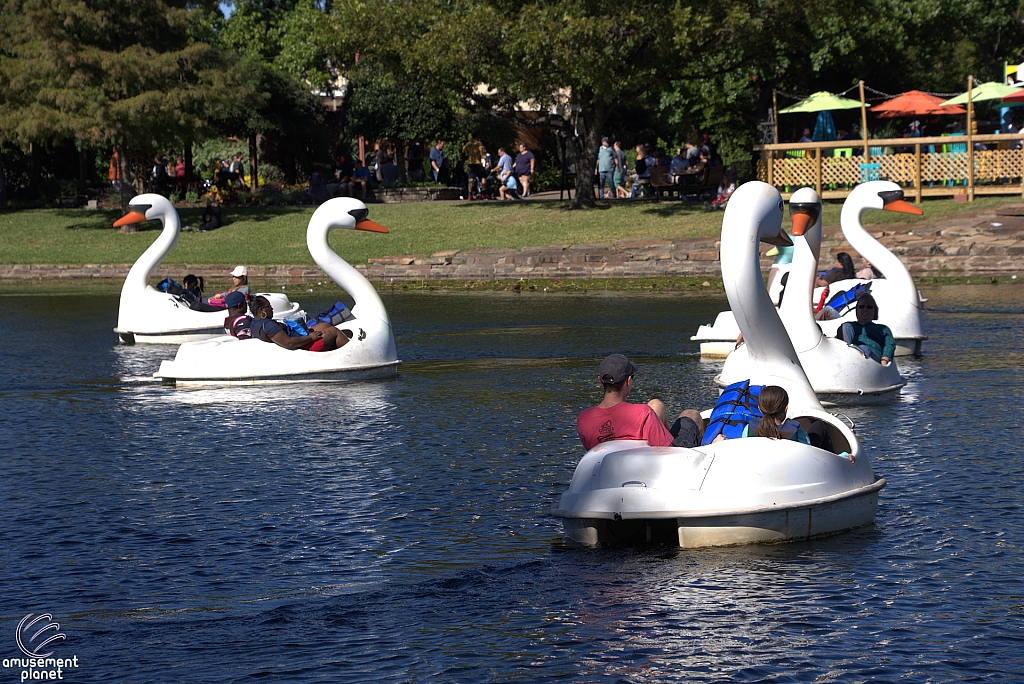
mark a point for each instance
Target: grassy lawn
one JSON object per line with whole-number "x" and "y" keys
{"x": 276, "y": 235}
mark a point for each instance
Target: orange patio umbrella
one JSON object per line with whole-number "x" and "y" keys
{"x": 914, "y": 103}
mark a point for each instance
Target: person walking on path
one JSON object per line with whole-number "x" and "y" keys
{"x": 606, "y": 170}
{"x": 620, "y": 171}
{"x": 437, "y": 160}
{"x": 525, "y": 166}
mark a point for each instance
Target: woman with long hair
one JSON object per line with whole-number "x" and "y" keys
{"x": 773, "y": 403}
{"x": 843, "y": 270}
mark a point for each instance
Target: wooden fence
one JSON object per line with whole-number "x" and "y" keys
{"x": 927, "y": 167}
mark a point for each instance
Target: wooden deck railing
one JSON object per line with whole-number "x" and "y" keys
{"x": 927, "y": 167}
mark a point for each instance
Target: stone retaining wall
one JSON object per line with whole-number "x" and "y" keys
{"x": 952, "y": 247}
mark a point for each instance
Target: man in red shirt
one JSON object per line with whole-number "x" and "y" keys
{"x": 615, "y": 418}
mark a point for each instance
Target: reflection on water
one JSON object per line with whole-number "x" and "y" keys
{"x": 400, "y": 530}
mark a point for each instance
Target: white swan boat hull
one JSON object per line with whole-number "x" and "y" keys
{"x": 718, "y": 340}
{"x": 720, "y": 495}
{"x": 154, "y": 317}
{"x": 226, "y": 360}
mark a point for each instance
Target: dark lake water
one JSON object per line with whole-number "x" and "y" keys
{"x": 398, "y": 531}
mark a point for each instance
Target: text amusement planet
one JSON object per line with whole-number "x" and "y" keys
{"x": 36, "y": 636}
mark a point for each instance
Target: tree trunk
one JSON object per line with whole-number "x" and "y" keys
{"x": 253, "y": 161}
{"x": 189, "y": 171}
{"x": 126, "y": 196}
{"x": 400, "y": 152}
{"x": 3, "y": 185}
{"x": 82, "y": 168}
{"x": 36, "y": 168}
{"x": 587, "y": 126}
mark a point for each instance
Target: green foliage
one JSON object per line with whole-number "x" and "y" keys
{"x": 191, "y": 196}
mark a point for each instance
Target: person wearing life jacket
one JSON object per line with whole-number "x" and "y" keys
{"x": 773, "y": 403}
{"x": 874, "y": 340}
{"x": 289, "y": 334}
{"x": 615, "y": 418}
{"x": 238, "y": 323}
{"x": 740, "y": 410}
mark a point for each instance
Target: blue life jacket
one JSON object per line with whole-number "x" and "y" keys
{"x": 295, "y": 328}
{"x": 337, "y": 314}
{"x": 173, "y": 287}
{"x": 846, "y": 299}
{"x": 736, "y": 407}
{"x": 790, "y": 429}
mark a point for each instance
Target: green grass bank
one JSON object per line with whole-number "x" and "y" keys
{"x": 276, "y": 235}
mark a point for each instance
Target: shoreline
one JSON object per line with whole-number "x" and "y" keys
{"x": 980, "y": 246}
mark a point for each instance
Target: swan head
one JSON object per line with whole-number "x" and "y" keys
{"x": 145, "y": 208}
{"x": 881, "y": 195}
{"x": 345, "y": 212}
{"x": 804, "y": 210}
{"x": 763, "y": 204}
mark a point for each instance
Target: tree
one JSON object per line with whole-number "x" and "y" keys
{"x": 108, "y": 72}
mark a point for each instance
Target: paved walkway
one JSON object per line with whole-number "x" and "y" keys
{"x": 983, "y": 245}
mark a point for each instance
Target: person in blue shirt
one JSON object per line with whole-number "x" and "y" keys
{"x": 874, "y": 340}
{"x": 437, "y": 160}
{"x": 321, "y": 338}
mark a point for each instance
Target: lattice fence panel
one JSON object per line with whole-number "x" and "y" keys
{"x": 794, "y": 172}
{"x": 996, "y": 164}
{"x": 944, "y": 166}
{"x": 840, "y": 170}
{"x": 762, "y": 170}
{"x": 898, "y": 168}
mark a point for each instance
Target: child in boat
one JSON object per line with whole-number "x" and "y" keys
{"x": 239, "y": 283}
{"x": 238, "y": 323}
{"x": 873, "y": 339}
{"x": 322, "y": 337}
{"x": 773, "y": 403}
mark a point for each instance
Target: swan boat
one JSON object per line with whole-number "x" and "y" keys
{"x": 369, "y": 353}
{"x": 838, "y": 372}
{"x": 718, "y": 340}
{"x": 736, "y": 491}
{"x": 899, "y": 303}
{"x": 148, "y": 316}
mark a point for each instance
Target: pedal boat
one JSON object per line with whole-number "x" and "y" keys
{"x": 899, "y": 302}
{"x": 838, "y": 372}
{"x": 738, "y": 491}
{"x": 368, "y": 355}
{"x": 718, "y": 340}
{"x": 902, "y": 306}
{"x": 148, "y": 316}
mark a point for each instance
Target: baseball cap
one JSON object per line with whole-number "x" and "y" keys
{"x": 605, "y": 139}
{"x": 233, "y": 299}
{"x": 615, "y": 369}
{"x": 240, "y": 271}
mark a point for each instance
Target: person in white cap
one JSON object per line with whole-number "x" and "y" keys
{"x": 240, "y": 280}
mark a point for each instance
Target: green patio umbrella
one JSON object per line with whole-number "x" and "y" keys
{"x": 993, "y": 90}
{"x": 821, "y": 102}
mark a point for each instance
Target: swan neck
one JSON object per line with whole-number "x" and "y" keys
{"x": 871, "y": 249}
{"x": 798, "y": 301}
{"x": 141, "y": 271}
{"x": 772, "y": 358}
{"x": 368, "y": 303}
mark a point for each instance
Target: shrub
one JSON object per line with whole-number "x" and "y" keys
{"x": 173, "y": 198}
{"x": 191, "y": 196}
